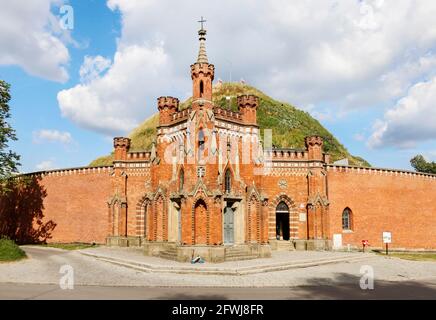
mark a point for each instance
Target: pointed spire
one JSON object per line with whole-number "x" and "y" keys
{"x": 202, "y": 55}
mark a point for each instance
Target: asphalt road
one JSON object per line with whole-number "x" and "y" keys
{"x": 39, "y": 276}
{"x": 410, "y": 290}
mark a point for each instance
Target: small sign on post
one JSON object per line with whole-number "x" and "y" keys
{"x": 387, "y": 238}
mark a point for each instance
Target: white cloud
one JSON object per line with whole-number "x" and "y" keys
{"x": 411, "y": 120}
{"x": 46, "y": 135}
{"x": 93, "y": 67}
{"x": 45, "y": 165}
{"x": 348, "y": 50}
{"x": 30, "y": 37}
{"x": 118, "y": 100}
{"x": 340, "y": 55}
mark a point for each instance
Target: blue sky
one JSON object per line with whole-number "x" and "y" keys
{"x": 369, "y": 78}
{"x": 34, "y": 103}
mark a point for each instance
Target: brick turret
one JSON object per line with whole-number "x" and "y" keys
{"x": 167, "y": 106}
{"x": 202, "y": 75}
{"x": 247, "y": 105}
{"x": 121, "y": 146}
{"x": 314, "y": 147}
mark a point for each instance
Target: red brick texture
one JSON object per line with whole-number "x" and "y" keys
{"x": 380, "y": 200}
{"x": 77, "y": 202}
{"x": 402, "y": 203}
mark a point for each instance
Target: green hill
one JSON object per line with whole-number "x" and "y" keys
{"x": 290, "y": 125}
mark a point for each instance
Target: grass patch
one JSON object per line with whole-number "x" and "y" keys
{"x": 418, "y": 256}
{"x": 70, "y": 246}
{"x": 10, "y": 251}
{"x": 415, "y": 256}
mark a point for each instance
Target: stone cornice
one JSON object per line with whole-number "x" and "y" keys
{"x": 70, "y": 171}
{"x": 379, "y": 171}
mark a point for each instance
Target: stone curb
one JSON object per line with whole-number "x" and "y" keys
{"x": 45, "y": 248}
{"x": 150, "y": 268}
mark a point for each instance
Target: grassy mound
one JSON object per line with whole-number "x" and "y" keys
{"x": 290, "y": 125}
{"x": 10, "y": 251}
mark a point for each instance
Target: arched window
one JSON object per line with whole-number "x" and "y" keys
{"x": 228, "y": 181}
{"x": 201, "y": 144}
{"x": 282, "y": 207}
{"x": 181, "y": 180}
{"x": 347, "y": 219}
{"x": 201, "y": 139}
{"x": 201, "y": 88}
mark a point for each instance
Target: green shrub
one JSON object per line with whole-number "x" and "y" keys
{"x": 10, "y": 251}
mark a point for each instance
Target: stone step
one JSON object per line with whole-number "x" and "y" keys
{"x": 285, "y": 246}
{"x": 285, "y": 249}
{"x": 238, "y": 252}
{"x": 168, "y": 255}
{"x": 236, "y": 249}
{"x": 236, "y": 258}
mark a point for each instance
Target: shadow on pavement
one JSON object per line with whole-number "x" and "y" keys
{"x": 342, "y": 287}
{"x": 346, "y": 286}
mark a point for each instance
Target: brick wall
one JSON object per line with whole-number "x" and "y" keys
{"x": 77, "y": 202}
{"x": 380, "y": 200}
{"x": 402, "y": 203}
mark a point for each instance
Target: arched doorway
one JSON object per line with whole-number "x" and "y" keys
{"x": 282, "y": 221}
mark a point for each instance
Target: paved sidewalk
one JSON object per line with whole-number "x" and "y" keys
{"x": 280, "y": 260}
{"x": 44, "y": 266}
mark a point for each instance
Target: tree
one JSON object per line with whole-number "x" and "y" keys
{"x": 21, "y": 196}
{"x": 8, "y": 159}
{"x": 421, "y": 165}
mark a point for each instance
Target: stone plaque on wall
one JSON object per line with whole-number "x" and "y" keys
{"x": 283, "y": 184}
{"x": 302, "y": 217}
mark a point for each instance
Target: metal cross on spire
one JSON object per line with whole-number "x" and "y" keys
{"x": 202, "y": 56}
{"x": 202, "y": 21}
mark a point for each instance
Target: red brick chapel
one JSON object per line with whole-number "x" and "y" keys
{"x": 212, "y": 186}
